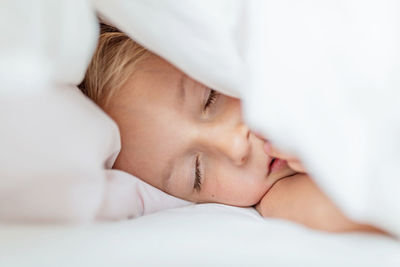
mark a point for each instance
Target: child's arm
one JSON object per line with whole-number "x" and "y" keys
{"x": 297, "y": 198}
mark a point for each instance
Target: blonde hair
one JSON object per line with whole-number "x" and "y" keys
{"x": 113, "y": 62}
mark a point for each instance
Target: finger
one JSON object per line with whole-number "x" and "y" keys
{"x": 293, "y": 162}
{"x": 273, "y": 152}
{"x": 296, "y": 166}
{"x": 260, "y": 136}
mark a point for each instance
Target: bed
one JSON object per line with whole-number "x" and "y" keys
{"x": 195, "y": 235}
{"x": 55, "y": 165}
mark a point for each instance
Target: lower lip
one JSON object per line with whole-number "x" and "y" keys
{"x": 277, "y": 165}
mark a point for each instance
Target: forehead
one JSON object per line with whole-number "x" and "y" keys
{"x": 153, "y": 77}
{"x": 152, "y": 87}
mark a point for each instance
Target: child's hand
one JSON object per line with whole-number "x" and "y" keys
{"x": 272, "y": 151}
{"x": 298, "y": 199}
{"x": 292, "y": 161}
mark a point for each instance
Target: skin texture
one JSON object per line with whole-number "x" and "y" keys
{"x": 167, "y": 130}
{"x": 299, "y": 193}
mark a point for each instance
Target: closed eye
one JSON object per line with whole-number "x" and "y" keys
{"x": 197, "y": 180}
{"x": 212, "y": 97}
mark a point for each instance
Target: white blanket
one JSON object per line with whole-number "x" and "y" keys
{"x": 328, "y": 91}
{"x": 319, "y": 79}
{"x": 196, "y": 235}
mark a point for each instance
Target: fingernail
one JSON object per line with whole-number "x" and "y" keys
{"x": 259, "y": 135}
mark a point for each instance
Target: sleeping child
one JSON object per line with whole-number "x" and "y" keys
{"x": 191, "y": 142}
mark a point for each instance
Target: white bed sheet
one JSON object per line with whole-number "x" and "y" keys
{"x": 196, "y": 235}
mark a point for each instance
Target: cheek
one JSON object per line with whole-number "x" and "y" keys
{"x": 239, "y": 189}
{"x": 251, "y": 194}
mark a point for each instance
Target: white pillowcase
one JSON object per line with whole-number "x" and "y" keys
{"x": 56, "y": 144}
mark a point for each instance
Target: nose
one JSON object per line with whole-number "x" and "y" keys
{"x": 232, "y": 141}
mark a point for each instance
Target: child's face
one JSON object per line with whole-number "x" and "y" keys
{"x": 170, "y": 126}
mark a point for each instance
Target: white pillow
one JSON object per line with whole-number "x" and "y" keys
{"x": 55, "y": 143}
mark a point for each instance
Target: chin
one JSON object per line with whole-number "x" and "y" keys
{"x": 257, "y": 195}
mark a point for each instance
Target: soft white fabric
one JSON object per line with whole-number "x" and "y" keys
{"x": 51, "y": 166}
{"x": 54, "y": 141}
{"x": 207, "y": 39}
{"x": 329, "y": 92}
{"x": 196, "y": 235}
{"x": 56, "y": 145}
{"x": 128, "y": 197}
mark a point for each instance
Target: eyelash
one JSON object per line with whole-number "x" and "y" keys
{"x": 212, "y": 97}
{"x": 197, "y": 181}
